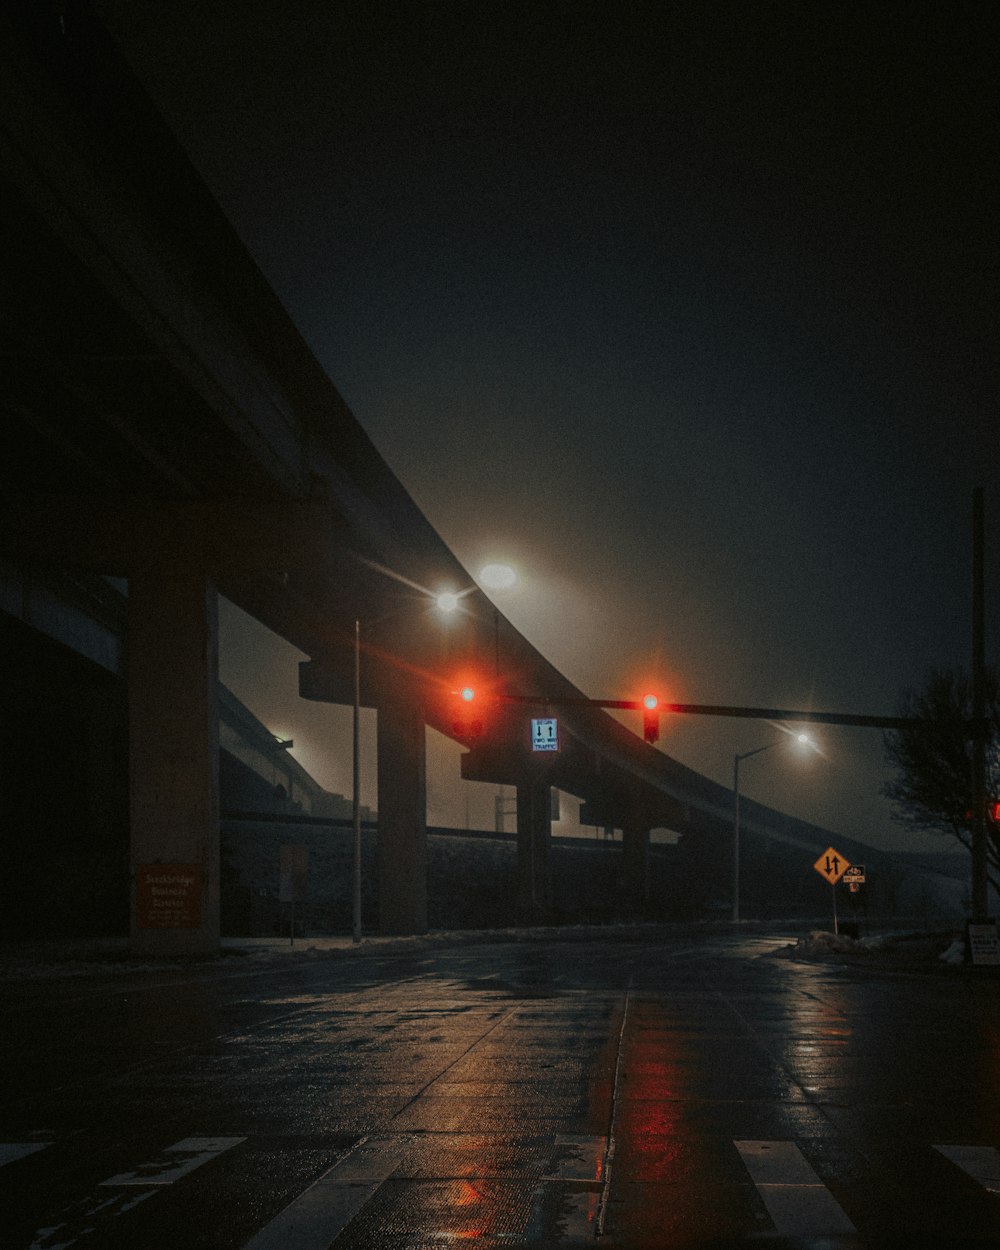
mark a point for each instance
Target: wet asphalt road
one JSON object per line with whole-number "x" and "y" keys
{"x": 675, "y": 1093}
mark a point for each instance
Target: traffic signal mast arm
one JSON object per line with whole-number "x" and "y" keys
{"x": 714, "y": 709}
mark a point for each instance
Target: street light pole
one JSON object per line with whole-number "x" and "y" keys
{"x": 980, "y": 879}
{"x": 736, "y": 824}
{"x": 356, "y": 770}
{"x": 805, "y": 740}
{"x": 446, "y": 602}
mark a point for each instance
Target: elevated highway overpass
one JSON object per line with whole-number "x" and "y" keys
{"x": 165, "y": 423}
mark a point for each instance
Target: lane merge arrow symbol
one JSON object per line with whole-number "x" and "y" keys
{"x": 832, "y": 865}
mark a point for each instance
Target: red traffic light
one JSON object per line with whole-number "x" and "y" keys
{"x": 650, "y": 718}
{"x": 994, "y": 812}
{"x": 466, "y": 713}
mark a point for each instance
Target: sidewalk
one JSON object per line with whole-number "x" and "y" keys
{"x": 69, "y": 957}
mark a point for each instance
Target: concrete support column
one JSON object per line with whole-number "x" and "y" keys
{"x": 173, "y": 667}
{"x": 402, "y": 817}
{"x": 635, "y": 865}
{"x": 534, "y": 828}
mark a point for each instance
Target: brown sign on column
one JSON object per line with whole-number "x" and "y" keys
{"x": 168, "y": 896}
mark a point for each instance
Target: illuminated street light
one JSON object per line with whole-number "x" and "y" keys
{"x": 802, "y": 738}
{"x": 497, "y": 577}
{"x": 447, "y": 602}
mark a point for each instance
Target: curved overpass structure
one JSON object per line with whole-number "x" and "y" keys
{"x": 165, "y": 423}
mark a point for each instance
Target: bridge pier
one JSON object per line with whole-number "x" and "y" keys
{"x": 534, "y": 830}
{"x": 635, "y": 865}
{"x": 402, "y": 816}
{"x": 173, "y": 650}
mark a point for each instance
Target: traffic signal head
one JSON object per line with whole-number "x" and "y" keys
{"x": 650, "y": 718}
{"x": 466, "y": 713}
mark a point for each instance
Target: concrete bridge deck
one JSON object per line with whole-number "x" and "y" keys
{"x": 166, "y": 424}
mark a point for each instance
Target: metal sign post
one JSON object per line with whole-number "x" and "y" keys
{"x": 293, "y": 867}
{"x": 832, "y": 865}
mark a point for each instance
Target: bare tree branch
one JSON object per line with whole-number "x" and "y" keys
{"x": 932, "y": 790}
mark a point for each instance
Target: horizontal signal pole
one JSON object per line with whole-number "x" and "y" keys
{"x": 714, "y": 709}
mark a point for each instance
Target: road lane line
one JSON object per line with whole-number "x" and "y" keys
{"x": 982, "y": 1163}
{"x": 327, "y": 1206}
{"x": 609, "y": 1156}
{"x": 797, "y": 1201}
{"x": 11, "y": 1151}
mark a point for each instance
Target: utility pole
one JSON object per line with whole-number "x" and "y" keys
{"x": 980, "y": 894}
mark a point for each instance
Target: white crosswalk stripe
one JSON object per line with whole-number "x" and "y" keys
{"x": 797, "y": 1201}
{"x": 982, "y": 1163}
{"x": 568, "y": 1167}
{"x": 124, "y": 1191}
{"x": 10, "y": 1152}
{"x": 176, "y": 1161}
{"x": 322, "y": 1211}
{"x": 330, "y": 1203}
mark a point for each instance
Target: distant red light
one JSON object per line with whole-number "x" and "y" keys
{"x": 468, "y": 706}
{"x": 650, "y": 718}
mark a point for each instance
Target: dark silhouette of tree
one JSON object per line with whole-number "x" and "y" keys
{"x": 933, "y": 788}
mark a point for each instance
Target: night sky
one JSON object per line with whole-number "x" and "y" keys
{"x": 688, "y": 312}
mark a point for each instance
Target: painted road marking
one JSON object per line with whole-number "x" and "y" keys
{"x": 128, "y": 1189}
{"x": 168, "y": 1168}
{"x": 797, "y": 1201}
{"x": 982, "y": 1163}
{"x": 323, "y": 1210}
{"x": 11, "y": 1151}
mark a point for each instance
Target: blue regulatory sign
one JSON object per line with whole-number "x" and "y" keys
{"x": 544, "y": 733}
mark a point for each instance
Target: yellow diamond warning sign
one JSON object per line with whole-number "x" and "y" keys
{"x": 832, "y": 865}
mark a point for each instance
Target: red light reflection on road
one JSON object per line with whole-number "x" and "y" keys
{"x": 650, "y": 1106}
{"x": 463, "y": 1196}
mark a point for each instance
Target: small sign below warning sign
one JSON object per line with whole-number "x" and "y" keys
{"x": 982, "y": 944}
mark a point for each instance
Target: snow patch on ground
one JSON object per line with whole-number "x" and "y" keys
{"x": 955, "y": 954}
{"x": 883, "y": 948}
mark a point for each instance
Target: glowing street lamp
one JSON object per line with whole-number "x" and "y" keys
{"x": 804, "y": 740}
{"x": 497, "y": 576}
{"x": 447, "y": 602}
